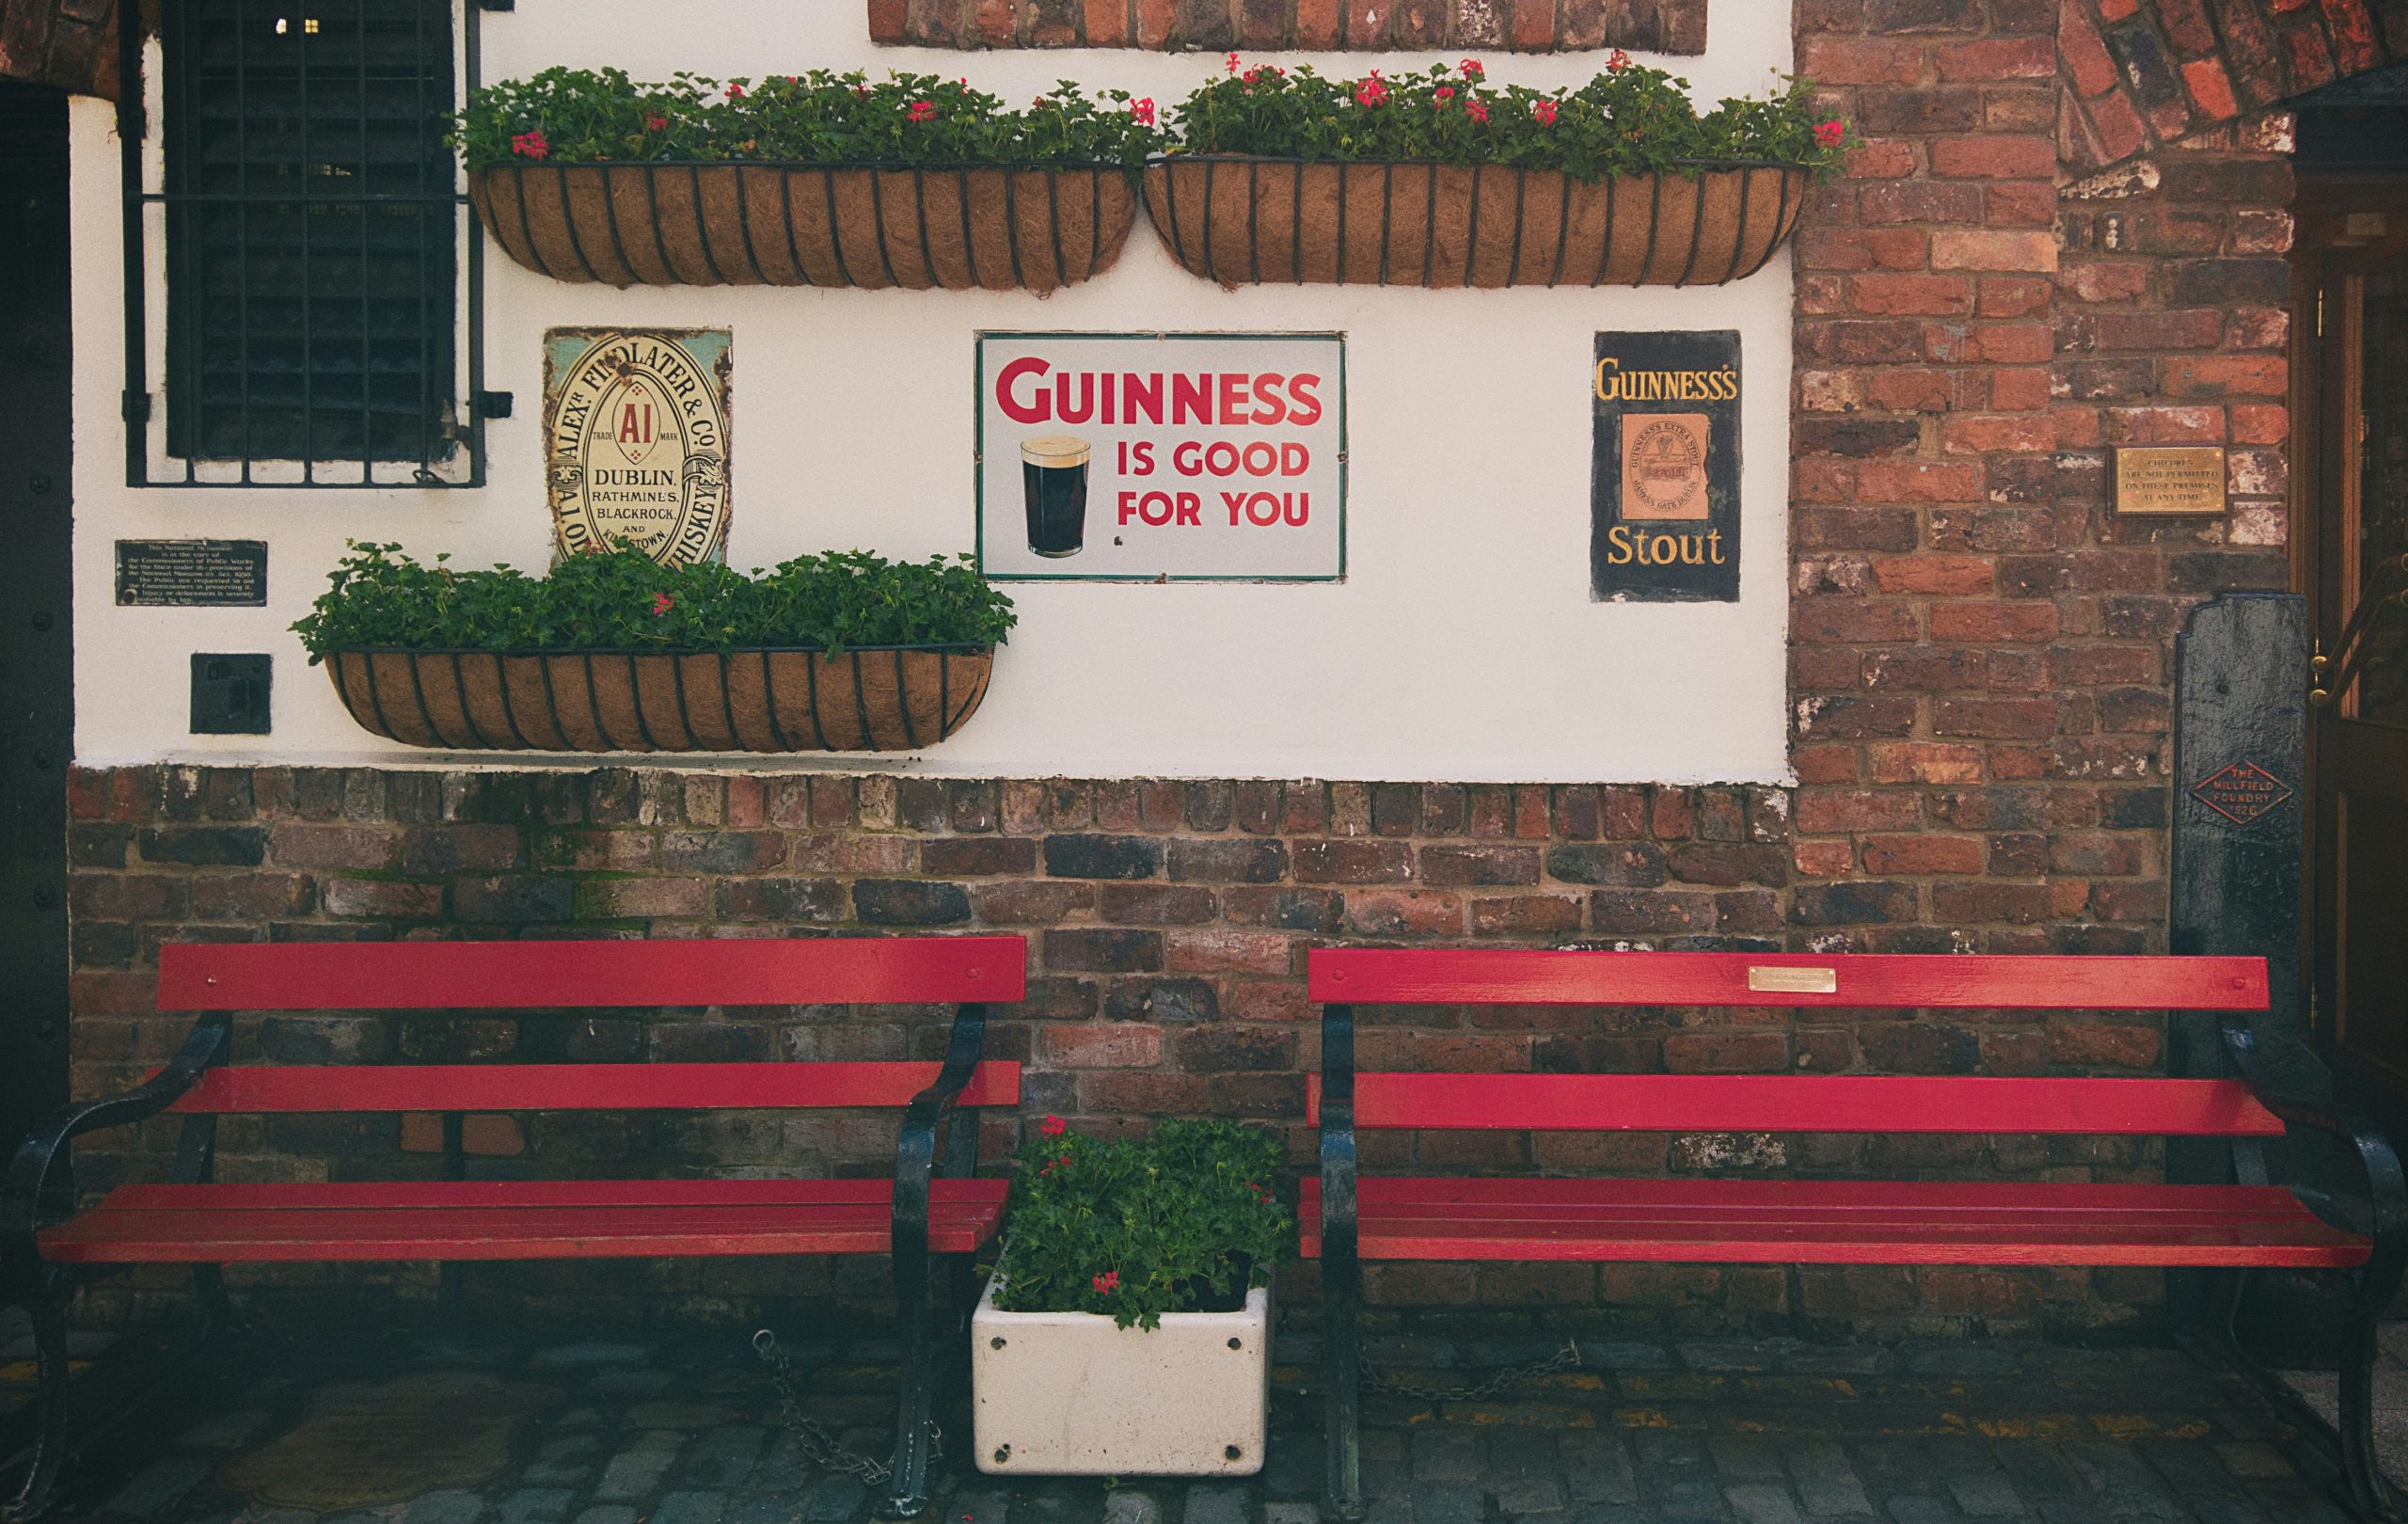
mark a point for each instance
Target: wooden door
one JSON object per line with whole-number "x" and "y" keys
{"x": 2350, "y": 443}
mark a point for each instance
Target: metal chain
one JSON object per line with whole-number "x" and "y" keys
{"x": 1562, "y": 1359}
{"x": 818, "y": 1446}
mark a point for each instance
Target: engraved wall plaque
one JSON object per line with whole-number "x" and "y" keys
{"x": 2170, "y": 478}
{"x": 191, "y": 574}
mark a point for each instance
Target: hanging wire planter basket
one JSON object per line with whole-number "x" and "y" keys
{"x": 1245, "y": 220}
{"x": 994, "y": 227}
{"x": 879, "y": 698}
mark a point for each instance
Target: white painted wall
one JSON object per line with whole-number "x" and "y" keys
{"x": 1462, "y": 646}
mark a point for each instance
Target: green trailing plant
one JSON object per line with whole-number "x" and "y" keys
{"x": 620, "y": 600}
{"x": 1137, "y": 1226}
{"x": 583, "y": 116}
{"x": 1629, "y": 119}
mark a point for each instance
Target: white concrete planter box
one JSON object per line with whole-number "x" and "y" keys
{"x": 1073, "y": 1394}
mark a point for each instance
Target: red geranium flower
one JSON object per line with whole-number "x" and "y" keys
{"x": 1373, "y": 91}
{"x": 1444, "y": 93}
{"x": 1143, "y": 109}
{"x": 1108, "y": 1282}
{"x": 1545, "y": 112}
{"x": 653, "y": 121}
{"x": 1053, "y": 1127}
{"x": 735, "y": 92}
{"x": 1477, "y": 111}
{"x": 1472, "y": 69}
{"x": 1830, "y": 133}
{"x": 921, "y": 111}
{"x": 1233, "y": 63}
{"x": 661, "y": 603}
{"x": 1619, "y": 62}
{"x": 530, "y": 146}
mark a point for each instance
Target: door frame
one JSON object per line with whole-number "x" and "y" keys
{"x": 2326, "y": 355}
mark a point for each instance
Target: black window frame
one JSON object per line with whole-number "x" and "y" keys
{"x": 450, "y": 440}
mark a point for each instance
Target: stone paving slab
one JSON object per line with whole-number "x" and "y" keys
{"x": 681, "y": 1429}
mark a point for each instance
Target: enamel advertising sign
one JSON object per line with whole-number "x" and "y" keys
{"x": 1162, "y": 457}
{"x": 636, "y": 436}
{"x": 1665, "y": 488}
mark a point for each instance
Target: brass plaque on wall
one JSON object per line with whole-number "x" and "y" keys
{"x": 636, "y": 440}
{"x": 2170, "y": 478}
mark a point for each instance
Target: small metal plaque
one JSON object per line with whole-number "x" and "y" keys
{"x": 2179, "y": 479}
{"x": 191, "y": 574}
{"x": 1794, "y": 980}
{"x": 2240, "y": 791}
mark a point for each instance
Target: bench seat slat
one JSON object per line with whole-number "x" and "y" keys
{"x": 1512, "y": 977}
{"x": 512, "y": 1221}
{"x": 1802, "y": 1103}
{"x": 765, "y": 1087}
{"x": 1835, "y": 1222}
{"x": 519, "y": 975}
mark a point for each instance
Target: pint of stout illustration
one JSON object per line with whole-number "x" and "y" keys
{"x": 1053, "y": 473}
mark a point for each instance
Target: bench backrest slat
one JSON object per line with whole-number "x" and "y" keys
{"x": 1931, "y": 980}
{"x": 1802, "y": 1103}
{"x": 764, "y": 1087}
{"x": 516, "y": 975}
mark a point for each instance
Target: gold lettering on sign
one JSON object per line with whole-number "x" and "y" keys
{"x": 2170, "y": 479}
{"x": 1794, "y": 980}
{"x": 1614, "y": 383}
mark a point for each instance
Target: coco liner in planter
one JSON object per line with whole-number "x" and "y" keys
{"x": 996, "y": 227}
{"x": 1239, "y": 219}
{"x": 866, "y": 699}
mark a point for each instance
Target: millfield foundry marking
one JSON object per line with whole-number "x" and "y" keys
{"x": 1664, "y": 487}
{"x": 2240, "y": 791}
{"x": 636, "y": 440}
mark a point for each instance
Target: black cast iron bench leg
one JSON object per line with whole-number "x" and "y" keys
{"x": 2290, "y": 1081}
{"x": 47, "y": 1304}
{"x": 915, "y": 1273}
{"x": 1341, "y": 1273}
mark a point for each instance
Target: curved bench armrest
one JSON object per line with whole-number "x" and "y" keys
{"x": 2288, "y": 1080}
{"x": 29, "y": 1189}
{"x": 916, "y": 1147}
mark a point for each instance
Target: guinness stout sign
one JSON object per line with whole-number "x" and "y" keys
{"x": 1664, "y": 489}
{"x": 636, "y": 434}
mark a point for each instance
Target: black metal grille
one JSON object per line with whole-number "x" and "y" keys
{"x": 310, "y": 220}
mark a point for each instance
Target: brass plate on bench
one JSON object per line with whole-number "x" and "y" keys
{"x": 1794, "y": 980}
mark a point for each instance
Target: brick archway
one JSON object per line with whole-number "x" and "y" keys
{"x": 2141, "y": 75}
{"x": 70, "y": 44}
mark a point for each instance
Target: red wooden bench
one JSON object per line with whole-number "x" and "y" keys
{"x": 2249, "y": 1224}
{"x": 205, "y": 1223}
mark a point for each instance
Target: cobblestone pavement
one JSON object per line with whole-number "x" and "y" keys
{"x": 680, "y": 1429}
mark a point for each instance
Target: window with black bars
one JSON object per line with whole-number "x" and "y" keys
{"x": 309, "y": 218}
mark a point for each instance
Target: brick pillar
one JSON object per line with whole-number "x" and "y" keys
{"x": 1941, "y": 709}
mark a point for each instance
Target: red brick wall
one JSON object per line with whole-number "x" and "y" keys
{"x": 2139, "y": 74}
{"x": 1167, "y": 924}
{"x": 1211, "y": 25}
{"x": 70, "y": 44}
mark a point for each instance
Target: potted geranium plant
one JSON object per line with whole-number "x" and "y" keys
{"x": 819, "y": 179}
{"x": 1127, "y": 1331}
{"x": 1443, "y": 179}
{"x": 611, "y": 652}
